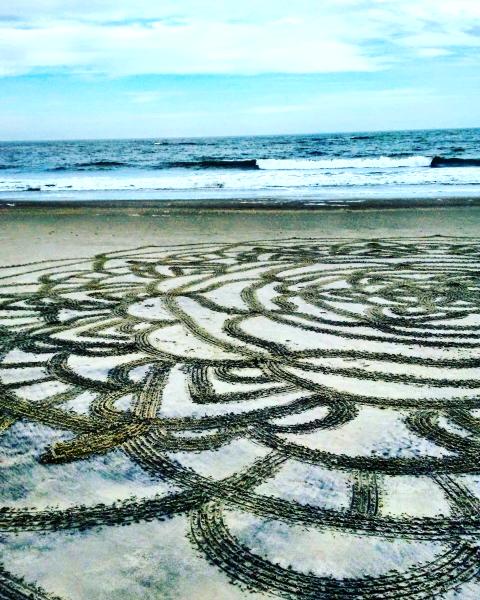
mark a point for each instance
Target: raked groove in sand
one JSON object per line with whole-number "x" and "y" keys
{"x": 300, "y": 417}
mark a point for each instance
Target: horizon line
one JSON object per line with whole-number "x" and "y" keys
{"x": 193, "y": 137}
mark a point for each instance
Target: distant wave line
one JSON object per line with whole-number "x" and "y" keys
{"x": 381, "y": 162}
{"x": 441, "y": 161}
{"x": 95, "y": 164}
{"x": 394, "y": 161}
{"x": 216, "y": 164}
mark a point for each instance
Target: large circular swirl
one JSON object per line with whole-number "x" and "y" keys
{"x": 350, "y": 364}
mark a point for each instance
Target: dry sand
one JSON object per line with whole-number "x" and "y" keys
{"x": 332, "y": 439}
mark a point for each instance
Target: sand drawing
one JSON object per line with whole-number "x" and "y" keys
{"x": 298, "y": 389}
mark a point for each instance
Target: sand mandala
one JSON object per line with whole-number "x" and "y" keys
{"x": 309, "y": 410}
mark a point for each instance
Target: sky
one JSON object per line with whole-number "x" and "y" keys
{"x": 179, "y": 68}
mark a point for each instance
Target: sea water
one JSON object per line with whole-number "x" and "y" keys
{"x": 311, "y": 169}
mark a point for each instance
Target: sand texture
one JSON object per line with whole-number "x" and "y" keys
{"x": 295, "y": 417}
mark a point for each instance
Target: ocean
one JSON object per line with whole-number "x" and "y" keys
{"x": 317, "y": 169}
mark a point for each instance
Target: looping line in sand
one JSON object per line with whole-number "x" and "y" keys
{"x": 358, "y": 360}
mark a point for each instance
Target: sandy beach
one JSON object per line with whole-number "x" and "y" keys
{"x": 239, "y": 403}
{"x": 37, "y": 232}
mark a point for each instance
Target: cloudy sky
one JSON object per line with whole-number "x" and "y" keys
{"x": 151, "y": 68}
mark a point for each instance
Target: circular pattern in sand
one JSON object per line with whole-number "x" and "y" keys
{"x": 323, "y": 385}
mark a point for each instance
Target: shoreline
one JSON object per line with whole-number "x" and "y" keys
{"x": 240, "y": 204}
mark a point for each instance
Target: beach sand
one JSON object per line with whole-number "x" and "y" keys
{"x": 36, "y": 233}
{"x": 273, "y": 401}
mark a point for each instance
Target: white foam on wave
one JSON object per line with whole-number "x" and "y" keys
{"x": 273, "y": 175}
{"x": 380, "y": 162}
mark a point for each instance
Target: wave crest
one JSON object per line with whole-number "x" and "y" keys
{"x": 379, "y": 162}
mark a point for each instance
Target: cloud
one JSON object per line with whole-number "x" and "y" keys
{"x": 432, "y": 52}
{"x": 136, "y": 37}
{"x": 199, "y": 47}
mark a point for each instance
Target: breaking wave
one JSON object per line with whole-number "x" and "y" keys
{"x": 379, "y": 162}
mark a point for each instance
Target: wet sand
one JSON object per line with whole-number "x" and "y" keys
{"x": 29, "y": 233}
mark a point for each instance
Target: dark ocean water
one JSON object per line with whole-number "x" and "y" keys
{"x": 309, "y": 168}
